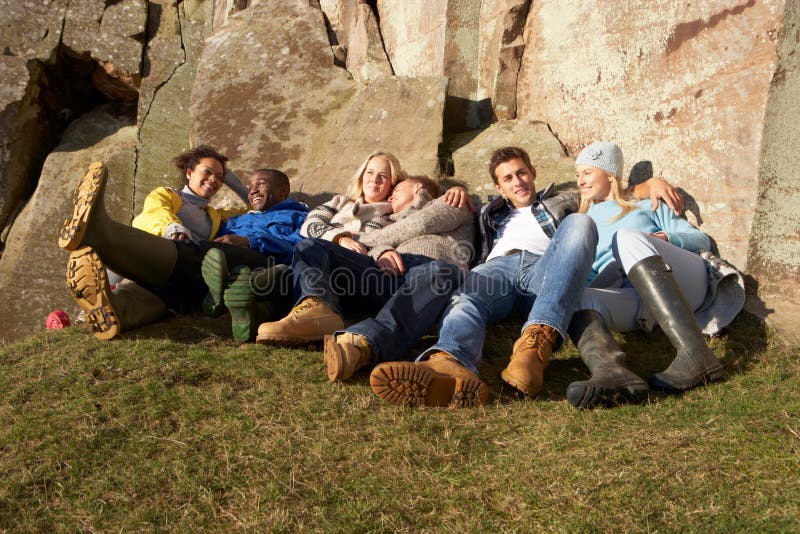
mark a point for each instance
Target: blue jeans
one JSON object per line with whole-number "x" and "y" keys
{"x": 546, "y": 289}
{"x": 409, "y": 304}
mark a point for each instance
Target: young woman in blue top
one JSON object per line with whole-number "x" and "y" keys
{"x": 652, "y": 255}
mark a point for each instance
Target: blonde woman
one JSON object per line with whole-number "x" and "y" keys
{"x": 661, "y": 279}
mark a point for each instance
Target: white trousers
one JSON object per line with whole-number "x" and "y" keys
{"x": 622, "y": 308}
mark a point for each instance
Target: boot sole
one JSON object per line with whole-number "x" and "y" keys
{"x": 287, "y": 341}
{"x": 709, "y": 377}
{"x": 86, "y": 194}
{"x": 410, "y": 384}
{"x": 214, "y": 270}
{"x": 588, "y": 396}
{"x": 518, "y": 384}
{"x": 240, "y": 301}
{"x": 334, "y": 365}
{"x": 88, "y": 284}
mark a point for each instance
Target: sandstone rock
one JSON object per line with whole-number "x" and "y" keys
{"x": 112, "y": 34}
{"x": 294, "y": 110}
{"x": 342, "y": 16}
{"x": 414, "y": 35}
{"x": 683, "y": 86}
{"x": 378, "y": 119}
{"x": 442, "y": 39}
{"x": 32, "y": 267}
{"x": 29, "y": 34}
{"x": 774, "y": 254}
{"x": 164, "y": 117}
{"x": 501, "y": 49}
{"x": 471, "y": 161}
{"x": 366, "y": 59}
{"x": 31, "y": 29}
{"x": 223, "y": 9}
{"x": 19, "y": 131}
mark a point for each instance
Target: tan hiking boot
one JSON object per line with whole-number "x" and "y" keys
{"x": 88, "y": 283}
{"x": 309, "y": 321}
{"x": 88, "y": 193}
{"x": 439, "y": 381}
{"x": 345, "y": 354}
{"x": 530, "y": 356}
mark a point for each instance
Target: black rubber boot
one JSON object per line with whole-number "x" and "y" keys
{"x": 694, "y": 364}
{"x": 130, "y": 252}
{"x": 611, "y": 383}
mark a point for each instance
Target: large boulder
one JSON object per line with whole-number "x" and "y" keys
{"x": 32, "y": 267}
{"x": 366, "y": 58}
{"x": 112, "y": 34}
{"x": 171, "y": 60}
{"x": 501, "y": 47}
{"x": 29, "y": 35}
{"x": 681, "y": 88}
{"x": 288, "y": 106}
{"x": 774, "y": 256}
{"x": 414, "y": 35}
{"x": 471, "y": 161}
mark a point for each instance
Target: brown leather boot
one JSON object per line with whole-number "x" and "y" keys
{"x": 345, "y": 354}
{"x": 530, "y": 356}
{"x": 309, "y": 321}
{"x": 439, "y": 381}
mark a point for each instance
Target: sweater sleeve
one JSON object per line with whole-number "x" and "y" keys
{"x": 319, "y": 222}
{"x": 159, "y": 211}
{"x": 436, "y": 217}
{"x": 680, "y": 232}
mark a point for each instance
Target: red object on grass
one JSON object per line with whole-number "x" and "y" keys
{"x": 57, "y": 320}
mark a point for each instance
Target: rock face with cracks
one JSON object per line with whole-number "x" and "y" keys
{"x": 701, "y": 93}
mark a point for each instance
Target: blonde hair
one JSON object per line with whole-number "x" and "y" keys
{"x": 397, "y": 174}
{"x": 620, "y": 197}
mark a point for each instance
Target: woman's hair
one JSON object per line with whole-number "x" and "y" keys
{"x": 189, "y": 159}
{"x": 620, "y": 197}
{"x": 396, "y": 174}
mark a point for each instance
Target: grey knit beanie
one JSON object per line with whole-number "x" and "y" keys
{"x": 603, "y": 155}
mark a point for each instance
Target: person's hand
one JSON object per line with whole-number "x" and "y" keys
{"x": 458, "y": 197}
{"x": 391, "y": 263}
{"x": 661, "y": 189}
{"x": 236, "y": 240}
{"x": 179, "y": 236}
{"x": 351, "y": 244}
{"x": 660, "y": 235}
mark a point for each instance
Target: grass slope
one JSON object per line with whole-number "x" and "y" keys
{"x": 175, "y": 427}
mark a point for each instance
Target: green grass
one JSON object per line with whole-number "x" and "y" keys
{"x": 175, "y": 427}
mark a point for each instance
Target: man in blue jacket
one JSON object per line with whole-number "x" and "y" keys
{"x": 271, "y": 227}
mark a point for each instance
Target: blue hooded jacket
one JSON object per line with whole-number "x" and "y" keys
{"x": 273, "y": 232}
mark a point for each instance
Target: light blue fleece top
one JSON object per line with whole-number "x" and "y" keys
{"x": 679, "y": 231}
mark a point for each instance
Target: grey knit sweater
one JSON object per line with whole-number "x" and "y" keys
{"x": 430, "y": 228}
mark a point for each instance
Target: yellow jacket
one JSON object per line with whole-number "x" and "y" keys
{"x": 161, "y": 207}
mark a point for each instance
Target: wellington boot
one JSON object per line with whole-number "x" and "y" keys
{"x": 345, "y": 354}
{"x": 215, "y": 274}
{"x": 694, "y": 363}
{"x": 247, "y": 311}
{"x": 529, "y": 357}
{"x": 130, "y": 252}
{"x": 611, "y": 383}
{"x": 239, "y": 299}
{"x": 270, "y": 282}
{"x": 439, "y": 381}
{"x": 311, "y": 320}
{"x": 109, "y": 312}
